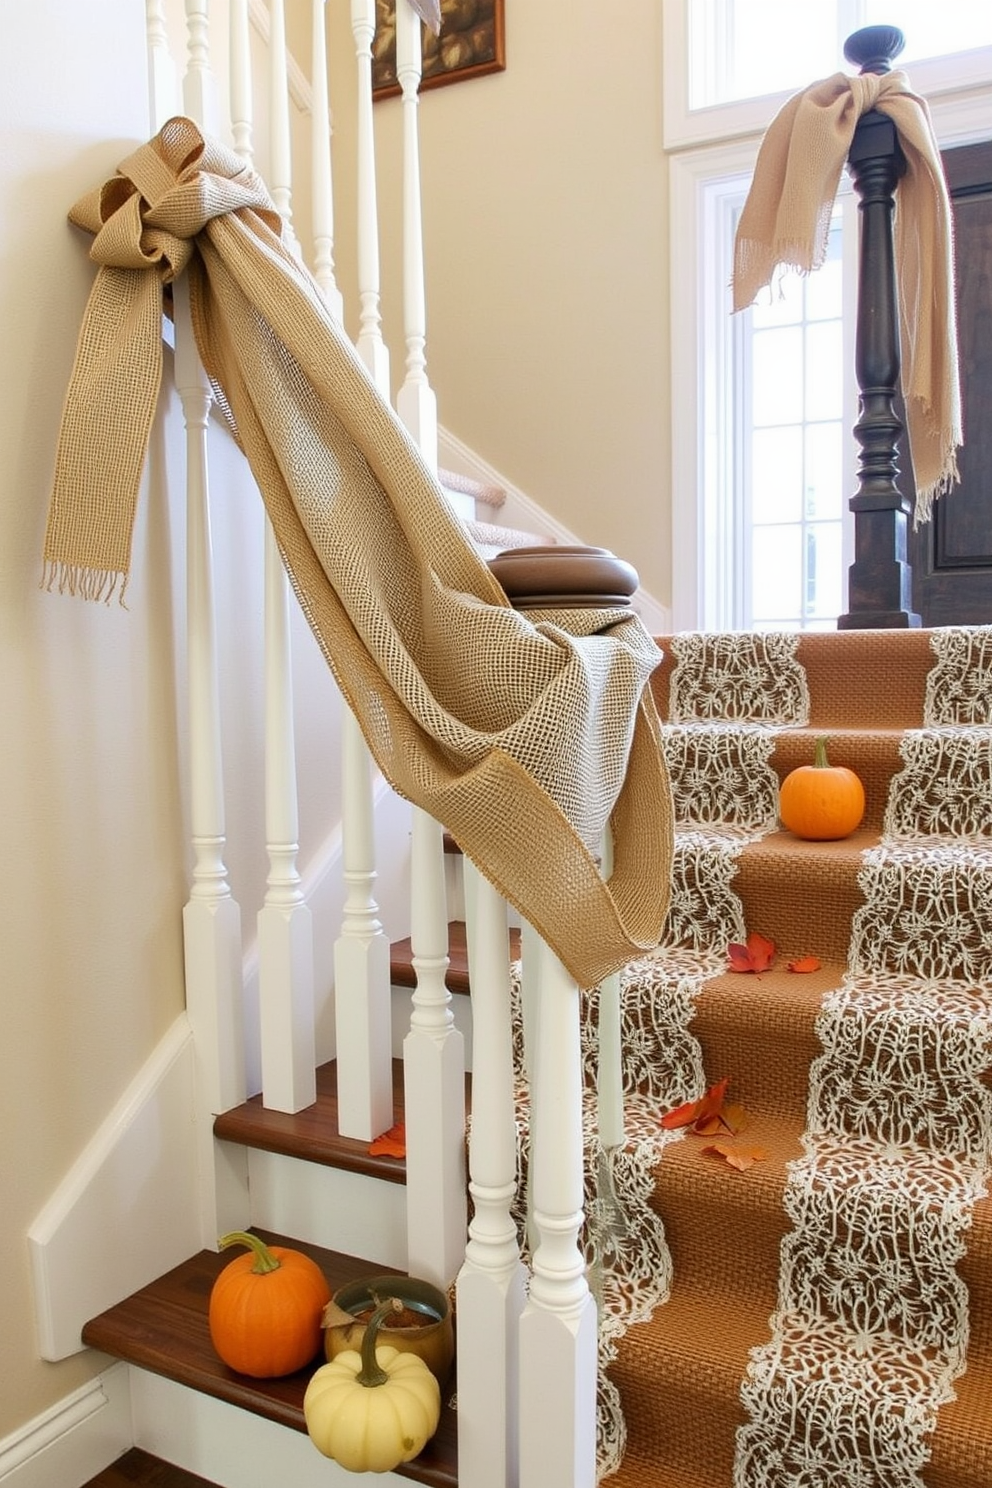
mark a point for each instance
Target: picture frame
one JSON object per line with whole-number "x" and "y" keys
{"x": 471, "y": 44}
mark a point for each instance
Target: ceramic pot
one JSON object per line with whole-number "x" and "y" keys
{"x": 432, "y": 1339}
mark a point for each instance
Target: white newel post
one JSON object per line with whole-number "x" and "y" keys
{"x": 362, "y": 998}
{"x": 285, "y": 932}
{"x": 321, "y": 178}
{"x": 211, "y": 919}
{"x": 434, "y": 1077}
{"x": 370, "y": 345}
{"x": 416, "y": 403}
{"x": 491, "y": 1283}
{"x": 558, "y": 1328}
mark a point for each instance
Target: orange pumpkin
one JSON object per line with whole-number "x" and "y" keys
{"x": 266, "y": 1308}
{"x": 821, "y": 801}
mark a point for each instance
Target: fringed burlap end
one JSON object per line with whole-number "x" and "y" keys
{"x": 93, "y": 584}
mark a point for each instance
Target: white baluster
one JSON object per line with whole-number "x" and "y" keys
{"x": 416, "y": 403}
{"x": 199, "y": 90}
{"x": 609, "y": 1074}
{"x": 211, "y": 919}
{"x": 320, "y": 152}
{"x": 280, "y": 150}
{"x": 558, "y": 1326}
{"x": 434, "y": 1077}
{"x": 491, "y": 1283}
{"x": 285, "y": 931}
{"x": 370, "y": 345}
{"x": 163, "y": 85}
{"x": 242, "y": 111}
{"x": 362, "y": 999}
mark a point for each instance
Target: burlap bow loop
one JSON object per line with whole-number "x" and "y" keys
{"x": 524, "y": 739}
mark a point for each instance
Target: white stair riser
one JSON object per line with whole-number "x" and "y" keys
{"x": 228, "y": 1446}
{"x": 342, "y": 1211}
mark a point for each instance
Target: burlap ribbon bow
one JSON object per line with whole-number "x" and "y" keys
{"x": 523, "y": 738}
{"x": 786, "y": 219}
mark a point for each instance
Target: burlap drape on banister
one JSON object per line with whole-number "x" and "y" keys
{"x": 523, "y": 738}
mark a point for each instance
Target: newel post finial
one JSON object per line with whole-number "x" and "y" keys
{"x": 874, "y": 48}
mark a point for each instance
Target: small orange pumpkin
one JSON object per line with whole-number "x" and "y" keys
{"x": 266, "y": 1308}
{"x": 821, "y": 802}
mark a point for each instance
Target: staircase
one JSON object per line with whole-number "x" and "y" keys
{"x": 861, "y": 1377}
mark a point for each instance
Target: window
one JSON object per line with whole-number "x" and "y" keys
{"x": 763, "y": 465}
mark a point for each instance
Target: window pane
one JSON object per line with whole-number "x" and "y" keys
{"x": 781, "y": 303}
{"x": 776, "y": 573}
{"x": 824, "y": 471}
{"x": 824, "y": 574}
{"x": 933, "y": 30}
{"x": 824, "y": 287}
{"x": 778, "y": 376}
{"x": 824, "y": 370}
{"x": 777, "y": 475}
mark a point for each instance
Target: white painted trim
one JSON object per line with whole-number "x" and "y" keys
{"x": 127, "y": 1210}
{"x": 519, "y": 512}
{"x": 74, "y": 1439}
{"x": 229, "y": 1446}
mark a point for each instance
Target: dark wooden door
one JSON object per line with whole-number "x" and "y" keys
{"x": 951, "y": 555}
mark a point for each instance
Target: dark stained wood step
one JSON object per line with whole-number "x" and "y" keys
{"x": 312, "y": 1133}
{"x": 401, "y": 969}
{"x": 163, "y": 1328}
{"x": 138, "y": 1469}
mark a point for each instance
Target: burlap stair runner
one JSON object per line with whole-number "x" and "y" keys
{"x": 679, "y": 1375}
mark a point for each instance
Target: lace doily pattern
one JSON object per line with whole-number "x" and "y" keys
{"x": 945, "y": 788}
{"x": 871, "y": 1326}
{"x": 738, "y": 677}
{"x": 726, "y": 796}
{"x": 721, "y": 775}
{"x": 958, "y": 687}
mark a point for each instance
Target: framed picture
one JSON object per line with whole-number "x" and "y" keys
{"x": 470, "y": 44}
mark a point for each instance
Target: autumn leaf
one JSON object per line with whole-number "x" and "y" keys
{"x": 735, "y": 1155}
{"x": 391, "y": 1143}
{"x": 805, "y": 963}
{"x": 757, "y": 954}
{"x": 703, "y": 1109}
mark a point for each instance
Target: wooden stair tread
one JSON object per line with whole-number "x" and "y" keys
{"x": 401, "y": 969}
{"x": 312, "y": 1134}
{"x": 163, "y": 1328}
{"x": 138, "y": 1469}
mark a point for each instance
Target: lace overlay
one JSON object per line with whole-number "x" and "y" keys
{"x": 871, "y": 1326}
{"x": 725, "y": 794}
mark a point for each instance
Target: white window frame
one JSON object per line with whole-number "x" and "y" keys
{"x": 706, "y": 519}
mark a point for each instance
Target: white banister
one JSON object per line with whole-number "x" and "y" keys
{"x": 362, "y": 999}
{"x": 416, "y": 403}
{"x": 211, "y": 918}
{"x": 321, "y": 174}
{"x": 280, "y": 181}
{"x": 558, "y": 1327}
{"x": 242, "y": 110}
{"x": 491, "y": 1283}
{"x": 163, "y": 84}
{"x": 371, "y": 347}
{"x": 434, "y": 1076}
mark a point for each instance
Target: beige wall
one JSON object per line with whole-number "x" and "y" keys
{"x": 545, "y": 203}
{"x": 91, "y": 866}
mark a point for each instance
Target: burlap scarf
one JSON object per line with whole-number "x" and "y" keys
{"x": 524, "y": 739}
{"x": 786, "y": 219}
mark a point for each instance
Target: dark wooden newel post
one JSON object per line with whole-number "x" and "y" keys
{"x": 880, "y": 578}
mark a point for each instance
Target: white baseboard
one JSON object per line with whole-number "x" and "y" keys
{"x": 228, "y": 1446}
{"x": 71, "y": 1442}
{"x": 521, "y": 513}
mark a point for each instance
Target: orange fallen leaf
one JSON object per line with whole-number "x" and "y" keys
{"x": 702, "y": 1110}
{"x": 757, "y": 954}
{"x": 734, "y": 1155}
{"x": 391, "y": 1143}
{"x": 805, "y": 963}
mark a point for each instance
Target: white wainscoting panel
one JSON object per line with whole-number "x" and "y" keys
{"x": 75, "y": 1439}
